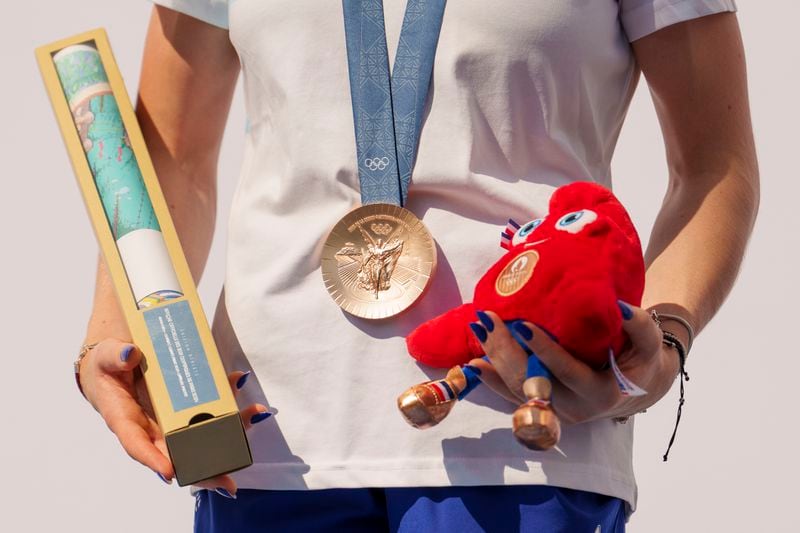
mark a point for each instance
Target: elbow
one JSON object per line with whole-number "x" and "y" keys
{"x": 743, "y": 184}
{"x": 736, "y": 182}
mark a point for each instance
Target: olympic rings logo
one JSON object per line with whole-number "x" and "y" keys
{"x": 381, "y": 229}
{"x": 377, "y": 163}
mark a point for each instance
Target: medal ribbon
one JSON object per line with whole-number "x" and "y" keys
{"x": 387, "y": 108}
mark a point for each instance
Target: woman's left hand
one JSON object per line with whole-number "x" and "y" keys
{"x": 581, "y": 393}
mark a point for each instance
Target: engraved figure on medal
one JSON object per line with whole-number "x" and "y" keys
{"x": 378, "y": 260}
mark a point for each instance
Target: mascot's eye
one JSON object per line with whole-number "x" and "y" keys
{"x": 576, "y": 221}
{"x": 526, "y": 230}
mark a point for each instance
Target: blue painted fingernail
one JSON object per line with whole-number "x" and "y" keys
{"x": 625, "y": 309}
{"x": 486, "y": 320}
{"x": 522, "y": 329}
{"x": 479, "y": 331}
{"x": 258, "y": 417}
{"x": 225, "y": 493}
{"x": 164, "y": 479}
{"x": 522, "y": 334}
{"x": 242, "y": 380}
{"x": 125, "y": 354}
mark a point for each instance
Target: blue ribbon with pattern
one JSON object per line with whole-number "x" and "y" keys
{"x": 387, "y": 109}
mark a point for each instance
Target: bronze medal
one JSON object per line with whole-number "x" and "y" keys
{"x": 378, "y": 260}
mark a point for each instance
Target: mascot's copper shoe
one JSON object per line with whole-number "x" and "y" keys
{"x": 536, "y": 426}
{"x": 535, "y": 423}
{"x": 425, "y": 405}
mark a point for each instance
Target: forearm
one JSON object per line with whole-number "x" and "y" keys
{"x": 697, "y": 77}
{"x": 698, "y": 242}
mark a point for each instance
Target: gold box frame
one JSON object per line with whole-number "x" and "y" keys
{"x": 205, "y": 440}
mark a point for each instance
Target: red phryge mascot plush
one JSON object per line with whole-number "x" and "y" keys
{"x": 564, "y": 272}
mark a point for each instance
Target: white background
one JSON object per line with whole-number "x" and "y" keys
{"x": 734, "y": 467}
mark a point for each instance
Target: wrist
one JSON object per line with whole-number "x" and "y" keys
{"x": 676, "y": 321}
{"x": 676, "y": 329}
{"x": 76, "y": 366}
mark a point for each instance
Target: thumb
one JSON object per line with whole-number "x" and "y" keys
{"x": 113, "y": 356}
{"x": 641, "y": 328}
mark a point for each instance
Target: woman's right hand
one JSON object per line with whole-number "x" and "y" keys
{"x": 111, "y": 384}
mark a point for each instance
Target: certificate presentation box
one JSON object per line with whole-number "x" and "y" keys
{"x": 182, "y": 369}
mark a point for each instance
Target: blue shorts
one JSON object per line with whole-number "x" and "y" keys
{"x": 532, "y": 508}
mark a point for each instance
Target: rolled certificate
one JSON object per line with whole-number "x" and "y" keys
{"x": 117, "y": 176}
{"x": 184, "y": 374}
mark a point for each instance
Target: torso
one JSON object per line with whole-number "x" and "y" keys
{"x": 526, "y": 96}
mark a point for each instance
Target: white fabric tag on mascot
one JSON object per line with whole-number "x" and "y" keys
{"x": 626, "y": 386}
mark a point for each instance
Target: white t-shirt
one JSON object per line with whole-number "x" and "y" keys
{"x": 526, "y": 95}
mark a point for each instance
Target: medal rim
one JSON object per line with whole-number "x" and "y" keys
{"x": 330, "y": 274}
